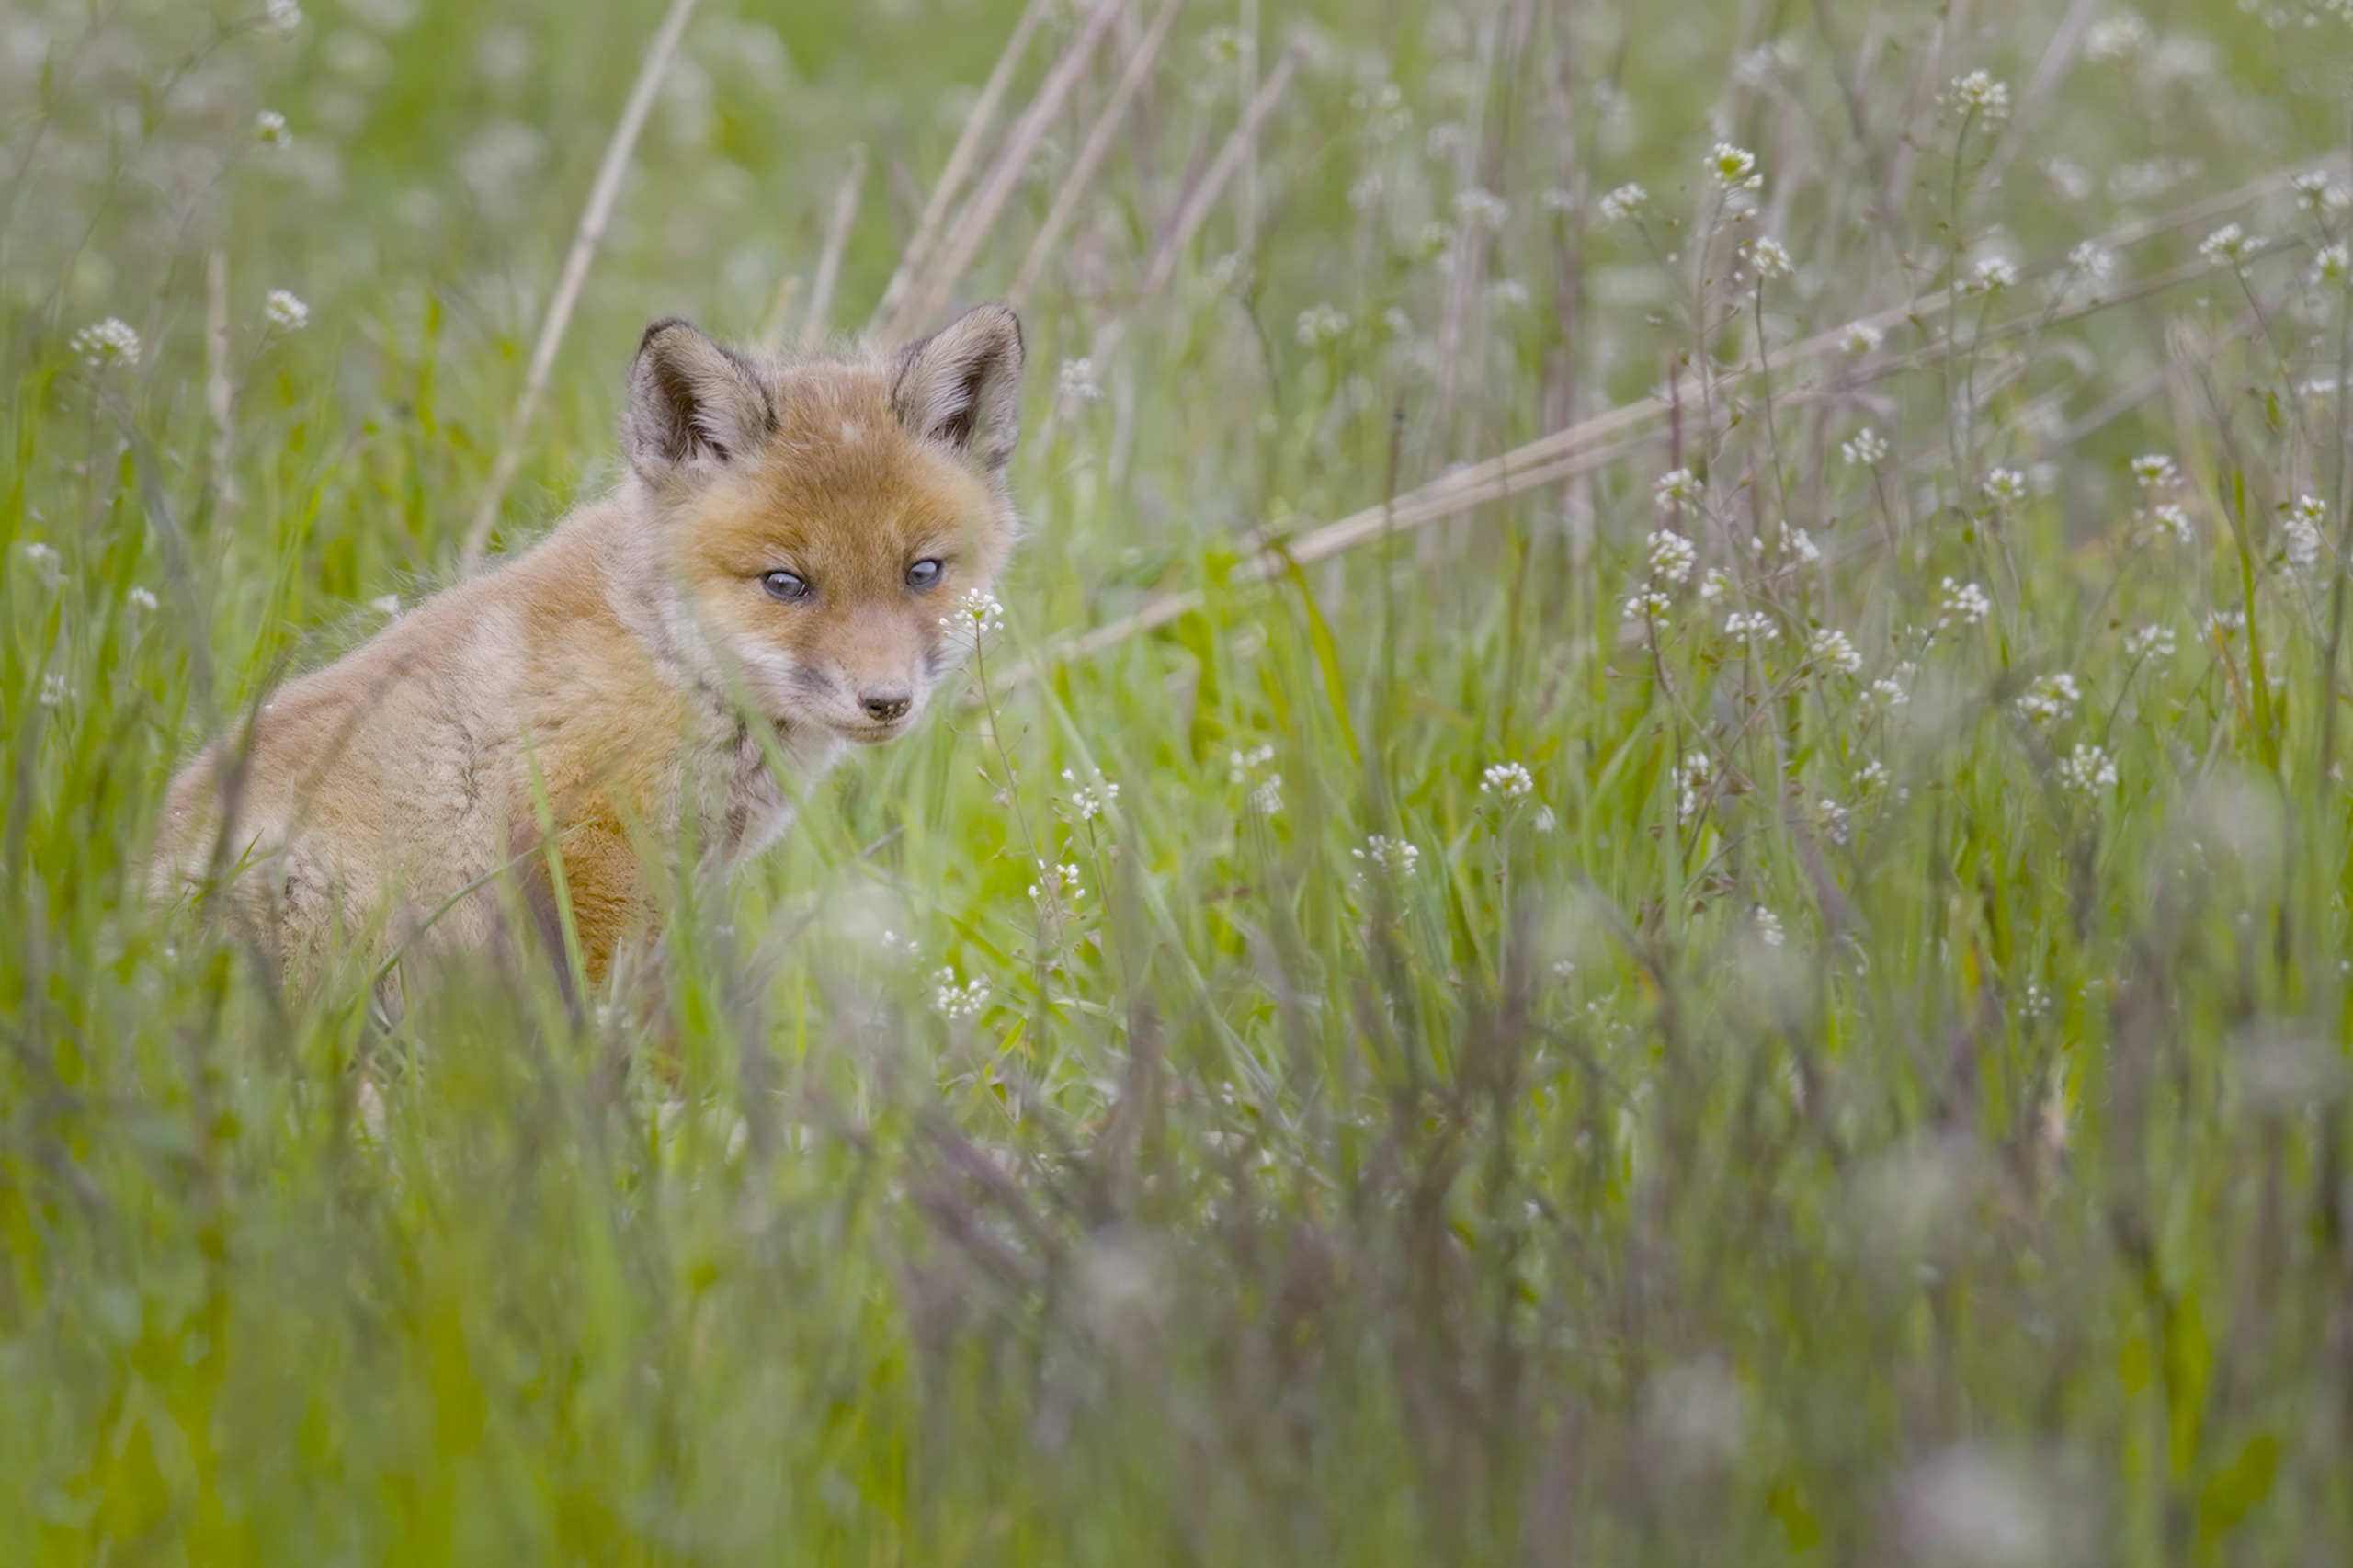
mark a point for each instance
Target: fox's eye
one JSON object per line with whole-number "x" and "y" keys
{"x": 922, "y": 573}
{"x": 785, "y": 585}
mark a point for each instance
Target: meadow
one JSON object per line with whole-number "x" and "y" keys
{"x": 1652, "y": 866}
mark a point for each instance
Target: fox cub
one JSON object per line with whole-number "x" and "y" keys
{"x": 773, "y": 578}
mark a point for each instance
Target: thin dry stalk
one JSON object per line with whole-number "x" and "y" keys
{"x": 1092, "y": 153}
{"x": 960, "y": 159}
{"x": 585, "y": 240}
{"x": 780, "y": 312}
{"x": 829, "y": 261}
{"x": 1021, "y": 145}
{"x": 220, "y": 392}
{"x": 1577, "y": 449}
{"x": 1238, "y": 147}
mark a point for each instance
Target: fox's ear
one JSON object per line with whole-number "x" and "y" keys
{"x": 688, "y": 398}
{"x": 961, "y": 387}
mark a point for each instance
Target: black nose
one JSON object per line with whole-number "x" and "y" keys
{"x": 884, "y": 706}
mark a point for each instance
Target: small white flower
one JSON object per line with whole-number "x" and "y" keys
{"x": 270, "y": 129}
{"x": 1075, "y": 386}
{"x": 389, "y": 605}
{"x": 1671, "y": 556}
{"x": 1768, "y": 925}
{"x": 1557, "y": 201}
{"x": 2089, "y": 260}
{"x": 2150, "y": 642}
{"x": 1545, "y": 820}
{"x": 1087, "y": 801}
{"x": 2175, "y": 519}
{"x": 1834, "y": 650}
{"x": 1393, "y": 855}
{"x": 143, "y": 600}
{"x": 1769, "y": 258}
{"x": 1715, "y": 585}
{"x": 2332, "y": 264}
{"x": 2226, "y": 623}
{"x": 2316, "y": 193}
{"x": 1733, "y": 168}
{"x": 1979, "y": 93}
{"x": 1243, "y": 765}
{"x": 2309, "y": 509}
{"x": 45, "y": 562}
{"x": 55, "y": 692}
{"x": 1798, "y": 545}
{"x": 1754, "y": 628}
{"x": 285, "y": 312}
{"x": 1322, "y": 323}
{"x": 2005, "y": 487}
{"x": 1867, "y": 450}
{"x": 1626, "y": 202}
{"x": 1965, "y": 603}
{"x": 1647, "y": 604}
{"x": 1837, "y": 820}
{"x": 976, "y": 615}
{"x": 2050, "y": 698}
{"x": 2300, "y": 543}
{"x": 901, "y": 949}
{"x": 1677, "y": 487}
{"x": 1265, "y": 795}
{"x": 103, "y": 345}
{"x": 1481, "y": 208}
{"x": 1692, "y": 775}
{"x": 2156, "y": 471}
{"x": 959, "y": 1000}
{"x": 284, "y": 16}
{"x": 2117, "y": 37}
{"x": 1506, "y": 781}
{"x": 2087, "y": 770}
{"x": 1991, "y": 275}
{"x": 1062, "y": 882}
{"x": 1860, "y": 338}
{"x": 1870, "y": 779}
{"x": 2226, "y": 246}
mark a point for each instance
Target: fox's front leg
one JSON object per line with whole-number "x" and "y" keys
{"x": 602, "y": 885}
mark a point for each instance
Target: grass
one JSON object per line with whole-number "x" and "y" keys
{"x": 1879, "y": 1098}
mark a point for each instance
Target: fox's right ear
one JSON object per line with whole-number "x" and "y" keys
{"x": 690, "y": 400}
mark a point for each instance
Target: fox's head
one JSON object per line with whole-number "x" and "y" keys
{"x": 816, "y": 523}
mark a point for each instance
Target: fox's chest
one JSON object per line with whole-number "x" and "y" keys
{"x": 764, "y": 786}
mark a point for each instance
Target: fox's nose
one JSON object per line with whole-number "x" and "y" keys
{"x": 884, "y": 703}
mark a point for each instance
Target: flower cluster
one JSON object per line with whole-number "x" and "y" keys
{"x": 976, "y": 615}
{"x": 1506, "y": 781}
{"x": 1834, "y": 650}
{"x": 1733, "y": 168}
{"x": 1671, "y": 556}
{"x": 959, "y": 1000}
{"x": 284, "y": 312}
{"x": 2050, "y": 698}
{"x": 1866, "y": 449}
{"x": 1088, "y": 802}
{"x": 103, "y": 345}
{"x": 1755, "y": 628}
{"x": 1626, "y": 202}
{"x": 1393, "y": 857}
{"x": 1963, "y": 602}
{"x": 1979, "y": 95}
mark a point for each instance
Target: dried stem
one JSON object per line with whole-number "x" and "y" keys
{"x": 829, "y": 261}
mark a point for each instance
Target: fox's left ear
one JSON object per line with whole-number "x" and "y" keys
{"x": 961, "y": 387}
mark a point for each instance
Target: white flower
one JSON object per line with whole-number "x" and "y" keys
{"x": 1505, "y": 781}
{"x": 1075, "y": 385}
{"x": 959, "y": 1000}
{"x": 143, "y": 600}
{"x": 1756, "y": 629}
{"x": 1733, "y": 168}
{"x": 2331, "y": 265}
{"x": 2150, "y": 642}
{"x": 1837, "y": 820}
{"x": 285, "y": 312}
{"x": 2005, "y": 487}
{"x": 1769, "y": 258}
{"x": 2301, "y": 542}
{"x": 1870, "y": 779}
{"x": 1692, "y": 775}
{"x": 2087, "y": 770}
{"x": 45, "y": 562}
{"x": 1834, "y": 650}
{"x": 2156, "y": 471}
{"x": 1062, "y": 882}
{"x": 2226, "y": 623}
{"x": 1647, "y": 604}
{"x": 1481, "y": 208}
{"x": 270, "y": 129}
{"x": 1888, "y": 692}
{"x": 1991, "y": 275}
{"x": 1963, "y": 602}
{"x": 1798, "y": 543}
{"x": 1671, "y": 556}
{"x": 1087, "y": 800}
{"x": 1242, "y": 765}
{"x": 55, "y": 692}
{"x": 1393, "y": 855}
{"x": 1980, "y": 95}
{"x": 1677, "y": 487}
{"x": 2174, "y": 520}
{"x": 2050, "y": 698}
{"x": 2116, "y": 38}
{"x": 1265, "y": 795}
{"x": 1558, "y": 201}
{"x": 1768, "y": 925}
{"x": 901, "y": 949}
{"x": 2315, "y": 192}
{"x": 1322, "y": 323}
{"x": 283, "y": 15}
{"x": 1624, "y": 202}
{"x": 1860, "y": 338}
{"x": 2309, "y": 509}
{"x": 1545, "y": 820}
{"x": 1715, "y": 585}
{"x": 976, "y": 615}
{"x": 1867, "y": 450}
{"x": 104, "y": 344}
{"x": 2228, "y": 244}
{"x": 389, "y": 605}
{"x": 2092, "y": 262}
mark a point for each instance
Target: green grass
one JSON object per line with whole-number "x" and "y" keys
{"x": 1924, "y": 1147}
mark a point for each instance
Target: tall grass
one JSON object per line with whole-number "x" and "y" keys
{"x": 1759, "y": 974}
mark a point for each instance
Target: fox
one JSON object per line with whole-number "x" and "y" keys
{"x": 778, "y": 576}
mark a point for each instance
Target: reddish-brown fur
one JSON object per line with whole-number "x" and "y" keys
{"x": 635, "y": 676}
